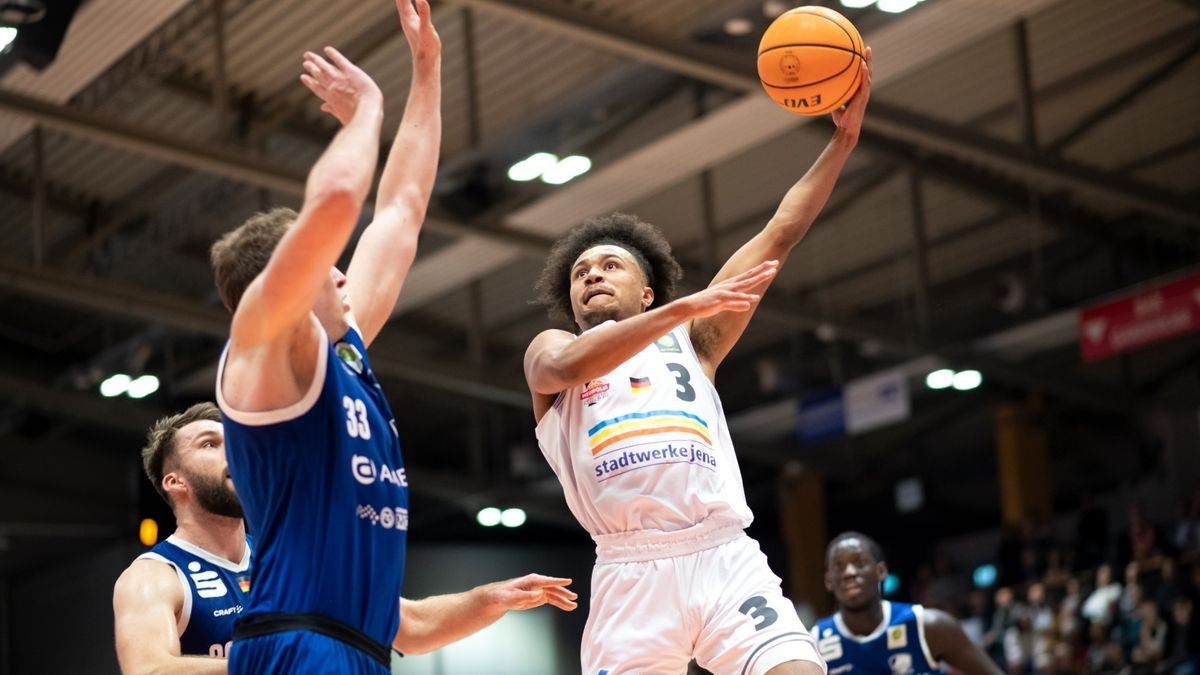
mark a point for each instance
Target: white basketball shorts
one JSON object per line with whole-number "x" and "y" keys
{"x": 722, "y": 606}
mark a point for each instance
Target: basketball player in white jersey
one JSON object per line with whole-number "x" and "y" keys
{"x": 630, "y": 422}
{"x": 175, "y": 605}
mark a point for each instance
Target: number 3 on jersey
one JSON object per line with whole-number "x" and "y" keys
{"x": 683, "y": 380}
{"x": 356, "y": 418}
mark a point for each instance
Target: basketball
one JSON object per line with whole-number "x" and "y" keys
{"x": 809, "y": 60}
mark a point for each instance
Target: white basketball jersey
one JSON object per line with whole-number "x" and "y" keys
{"x": 646, "y": 447}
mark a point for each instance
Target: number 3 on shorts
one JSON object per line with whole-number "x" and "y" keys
{"x": 756, "y": 608}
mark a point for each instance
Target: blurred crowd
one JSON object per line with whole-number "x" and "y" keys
{"x": 1102, "y": 604}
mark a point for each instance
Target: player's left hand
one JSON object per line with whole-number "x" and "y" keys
{"x": 342, "y": 86}
{"x": 417, "y": 23}
{"x": 849, "y": 119}
{"x": 532, "y": 590}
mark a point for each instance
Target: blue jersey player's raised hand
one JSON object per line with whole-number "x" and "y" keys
{"x": 310, "y": 438}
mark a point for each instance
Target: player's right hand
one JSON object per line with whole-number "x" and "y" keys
{"x": 342, "y": 86}
{"x": 736, "y": 294}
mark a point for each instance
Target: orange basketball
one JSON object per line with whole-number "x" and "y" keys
{"x": 809, "y": 60}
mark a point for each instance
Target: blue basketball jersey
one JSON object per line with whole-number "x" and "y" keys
{"x": 325, "y": 492}
{"x": 896, "y": 647}
{"x": 215, "y": 593}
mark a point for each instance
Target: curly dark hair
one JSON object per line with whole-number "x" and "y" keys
{"x": 644, "y": 241}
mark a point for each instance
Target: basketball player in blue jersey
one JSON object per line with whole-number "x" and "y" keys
{"x": 175, "y": 606}
{"x": 310, "y": 438}
{"x": 629, "y": 419}
{"x": 873, "y": 636}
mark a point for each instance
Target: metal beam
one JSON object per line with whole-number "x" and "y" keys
{"x": 711, "y": 65}
{"x": 702, "y": 62}
{"x": 114, "y": 413}
{"x": 920, "y": 256}
{"x": 1116, "y": 102}
{"x": 168, "y": 148}
{"x": 179, "y": 313}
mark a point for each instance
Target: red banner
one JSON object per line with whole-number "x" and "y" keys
{"x": 1138, "y": 320}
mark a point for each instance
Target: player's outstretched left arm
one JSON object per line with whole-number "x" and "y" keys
{"x": 386, "y": 250}
{"x": 714, "y": 336}
{"x": 432, "y": 623}
{"x": 949, "y": 643}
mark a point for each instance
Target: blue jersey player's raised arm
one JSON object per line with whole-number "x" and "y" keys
{"x": 872, "y": 636}
{"x": 310, "y": 438}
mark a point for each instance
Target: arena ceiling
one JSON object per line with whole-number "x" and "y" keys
{"x": 1020, "y": 158}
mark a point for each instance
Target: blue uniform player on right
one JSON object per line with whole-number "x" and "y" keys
{"x": 873, "y": 636}
{"x": 311, "y": 441}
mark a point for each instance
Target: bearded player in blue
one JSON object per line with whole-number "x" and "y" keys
{"x": 311, "y": 442}
{"x": 873, "y": 636}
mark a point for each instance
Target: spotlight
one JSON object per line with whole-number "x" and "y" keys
{"x": 115, "y": 385}
{"x": 940, "y": 379}
{"x": 142, "y": 387}
{"x": 738, "y": 26}
{"x": 148, "y": 532}
{"x": 512, "y": 517}
{"x": 42, "y": 29}
{"x": 532, "y": 167}
{"x": 7, "y": 35}
{"x": 488, "y": 516}
{"x": 857, "y": 4}
{"x": 566, "y": 169}
{"x": 896, "y": 6}
{"x": 967, "y": 380}
{"x": 984, "y": 576}
{"x": 891, "y": 584}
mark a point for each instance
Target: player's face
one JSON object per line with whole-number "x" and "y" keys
{"x": 852, "y": 574}
{"x": 202, "y": 464}
{"x": 333, "y": 304}
{"x": 607, "y": 284}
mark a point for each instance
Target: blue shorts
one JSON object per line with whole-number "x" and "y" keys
{"x": 299, "y": 651}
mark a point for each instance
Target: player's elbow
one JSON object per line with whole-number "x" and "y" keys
{"x": 336, "y": 193}
{"x": 412, "y": 642}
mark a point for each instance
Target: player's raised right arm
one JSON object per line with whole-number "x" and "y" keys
{"x": 556, "y": 360}
{"x": 146, "y": 601}
{"x": 284, "y": 294}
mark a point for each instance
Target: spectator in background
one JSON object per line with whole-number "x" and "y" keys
{"x": 1142, "y": 538}
{"x": 1041, "y": 624}
{"x": 1058, "y": 572}
{"x": 975, "y": 622}
{"x": 1099, "y": 606}
{"x": 1151, "y": 641}
{"x": 1068, "y": 611}
{"x": 1003, "y": 618}
{"x": 1019, "y": 641}
{"x": 1168, "y": 587}
{"x": 1091, "y": 534}
{"x": 947, "y": 584}
{"x": 1186, "y": 534}
{"x": 1183, "y": 640}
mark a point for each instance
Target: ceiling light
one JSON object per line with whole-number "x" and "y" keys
{"x": 773, "y": 8}
{"x": 7, "y": 35}
{"x": 488, "y": 516}
{"x": 967, "y": 379}
{"x": 512, "y": 517}
{"x": 896, "y": 6}
{"x": 940, "y": 379}
{"x": 143, "y": 386}
{"x": 567, "y": 169}
{"x": 115, "y": 385}
{"x": 148, "y": 532}
{"x": 532, "y": 167}
{"x": 738, "y": 26}
{"x": 857, "y": 4}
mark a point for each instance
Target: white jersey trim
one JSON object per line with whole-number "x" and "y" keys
{"x": 850, "y": 635}
{"x": 241, "y": 566}
{"x": 185, "y": 612}
{"x": 919, "y": 612}
{"x": 291, "y": 412}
